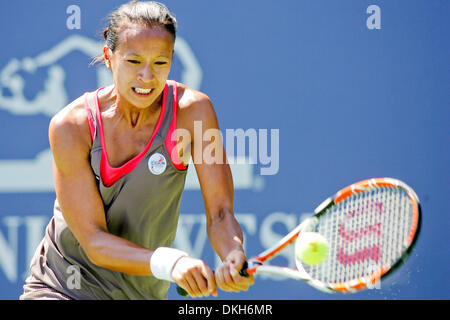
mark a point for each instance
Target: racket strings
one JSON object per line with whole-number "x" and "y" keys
{"x": 365, "y": 232}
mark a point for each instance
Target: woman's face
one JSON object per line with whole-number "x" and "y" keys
{"x": 141, "y": 63}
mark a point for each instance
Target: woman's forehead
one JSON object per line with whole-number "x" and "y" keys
{"x": 143, "y": 38}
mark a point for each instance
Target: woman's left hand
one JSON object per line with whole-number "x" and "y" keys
{"x": 227, "y": 275}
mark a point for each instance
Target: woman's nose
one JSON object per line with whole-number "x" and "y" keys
{"x": 145, "y": 74}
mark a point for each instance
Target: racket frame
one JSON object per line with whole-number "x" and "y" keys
{"x": 256, "y": 264}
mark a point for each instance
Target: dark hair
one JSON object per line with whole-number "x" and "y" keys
{"x": 148, "y": 13}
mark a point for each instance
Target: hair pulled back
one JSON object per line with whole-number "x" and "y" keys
{"x": 147, "y": 13}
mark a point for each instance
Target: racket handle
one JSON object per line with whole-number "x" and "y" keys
{"x": 181, "y": 291}
{"x": 243, "y": 273}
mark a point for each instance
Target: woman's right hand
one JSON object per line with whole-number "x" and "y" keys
{"x": 194, "y": 276}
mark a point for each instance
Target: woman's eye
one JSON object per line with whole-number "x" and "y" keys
{"x": 159, "y": 63}
{"x": 133, "y": 61}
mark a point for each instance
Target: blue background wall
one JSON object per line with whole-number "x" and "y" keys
{"x": 350, "y": 103}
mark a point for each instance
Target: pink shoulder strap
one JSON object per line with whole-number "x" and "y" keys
{"x": 170, "y": 142}
{"x": 88, "y": 105}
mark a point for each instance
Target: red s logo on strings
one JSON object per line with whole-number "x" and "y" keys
{"x": 362, "y": 254}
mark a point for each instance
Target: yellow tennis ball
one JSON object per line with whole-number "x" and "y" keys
{"x": 311, "y": 248}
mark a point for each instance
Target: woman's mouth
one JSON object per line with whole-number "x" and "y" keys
{"x": 142, "y": 92}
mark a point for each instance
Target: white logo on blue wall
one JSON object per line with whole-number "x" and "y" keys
{"x": 35, "y": 174}
{"x": 157, "y": 163}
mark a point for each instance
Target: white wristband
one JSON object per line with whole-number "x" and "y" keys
{"x": 163, "y": 260}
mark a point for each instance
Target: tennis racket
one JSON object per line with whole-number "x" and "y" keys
{"x": 371, "y": 227}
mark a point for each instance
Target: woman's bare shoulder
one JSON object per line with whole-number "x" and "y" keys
{"x": 70, "y": 125}
{"x": 194, "y": 104}
{"x": 188, "y": 97}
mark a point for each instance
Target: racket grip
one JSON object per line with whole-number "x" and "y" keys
{"x": 181, "y": 291}
{"x": 243, "y": 273}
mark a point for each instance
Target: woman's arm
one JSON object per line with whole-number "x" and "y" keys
{"x": 83, "y": 210}
{"x": 216, "y": 183}
{"x": 79, "y": 199}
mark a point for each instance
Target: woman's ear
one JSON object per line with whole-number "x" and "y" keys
{"x": 107, "y": 56}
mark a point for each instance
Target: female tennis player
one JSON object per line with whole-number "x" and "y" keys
{"x": 119, "y": 169}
